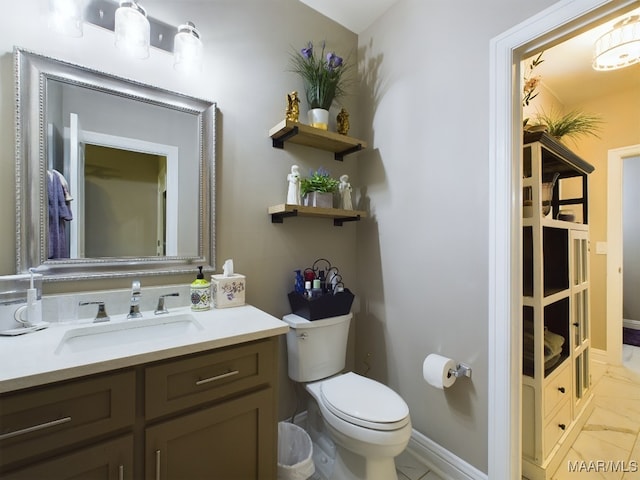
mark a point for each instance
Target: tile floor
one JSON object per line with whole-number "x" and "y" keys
{"x": 608, "y": 447}
{"x": 409, "y": 468}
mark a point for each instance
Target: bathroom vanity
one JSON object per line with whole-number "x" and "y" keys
{"x": 196, "y": 404}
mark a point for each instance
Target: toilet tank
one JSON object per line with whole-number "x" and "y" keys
{"x": 316, "y": 349}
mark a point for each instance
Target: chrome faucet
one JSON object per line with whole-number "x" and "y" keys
{"x": 161, "y": 308}
{"x": 101, "y": 316}
{"x": 134, "y": 307}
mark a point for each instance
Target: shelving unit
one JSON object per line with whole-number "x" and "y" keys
{"x": 298, "y": 133}
{"x": 556, "y": 343}
{"x": 280, "y": 212}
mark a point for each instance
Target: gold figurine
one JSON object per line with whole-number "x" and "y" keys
{"x": 343, "y": 122}
{"x": 293, "y": 106}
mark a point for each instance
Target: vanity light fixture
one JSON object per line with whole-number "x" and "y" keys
{"x": 619, "y": 47}
{"x": 135, "y": 31}
{"x": 132, "y": 29}
{"x": 187, "y": 49}
{"x": 66, "y": 17}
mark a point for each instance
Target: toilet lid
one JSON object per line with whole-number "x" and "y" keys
{"x": 364, "y": 402}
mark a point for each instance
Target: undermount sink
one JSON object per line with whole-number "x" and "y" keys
{"x": 110, "y": 335}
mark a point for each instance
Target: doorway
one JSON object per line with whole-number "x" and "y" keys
{"x": 618, "y": 159}
{"x": 559, "y": 21}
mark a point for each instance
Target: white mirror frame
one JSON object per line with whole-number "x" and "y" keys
{"x": 31, "y": 74}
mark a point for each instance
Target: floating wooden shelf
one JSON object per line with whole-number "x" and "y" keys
{"x": 280, "y": 212}
{"x": 294, "y": 132}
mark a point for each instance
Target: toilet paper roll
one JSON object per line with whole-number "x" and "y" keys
{"x": 435, "y": 371}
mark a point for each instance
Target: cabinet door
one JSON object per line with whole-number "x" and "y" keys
{"x": 111, "y": 460}
{"x": 235, "y": 440}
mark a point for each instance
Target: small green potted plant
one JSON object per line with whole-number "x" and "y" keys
{"x": 317, "y": 189}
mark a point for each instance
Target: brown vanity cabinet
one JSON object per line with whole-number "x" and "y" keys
{"x": 109, "y": 460}
{"x": 204, "y": 415}
{"x": 233, "y": 440}
{"x": 56, "y": 419}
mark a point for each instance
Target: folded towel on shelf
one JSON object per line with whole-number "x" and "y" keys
{"x": 552, "y": 342}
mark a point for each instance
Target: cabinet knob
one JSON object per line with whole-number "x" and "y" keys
{"x": 561, "y": 389}
{"x": 562, "y": 426}
{"x": 576, "y": 324}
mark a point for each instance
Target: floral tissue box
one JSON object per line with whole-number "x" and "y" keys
{"x": 228, "y": 291}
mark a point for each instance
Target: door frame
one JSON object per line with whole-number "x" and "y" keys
{"x": 614, "y": 250}
{"x": 562, "y": 19}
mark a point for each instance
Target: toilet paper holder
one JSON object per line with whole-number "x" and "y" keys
{"x": 461, "y": 370}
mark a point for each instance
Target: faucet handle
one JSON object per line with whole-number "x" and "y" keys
{"x": 161, "y": 309}
{"x": 101, "y": 316}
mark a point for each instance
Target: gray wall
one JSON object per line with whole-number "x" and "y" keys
{"x": 422, "y": 258}
{"x": 419, "y": 264}
{"x": 631, "y": 238}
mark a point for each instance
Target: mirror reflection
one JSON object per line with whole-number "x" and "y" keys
{"x": 113, "y": 177}
{"x": 115, "y": 188}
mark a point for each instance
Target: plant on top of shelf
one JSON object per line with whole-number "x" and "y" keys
{"x": 318, "y": 181}
{"x": 572, "y": 124}
{"x": 322, "y": 75}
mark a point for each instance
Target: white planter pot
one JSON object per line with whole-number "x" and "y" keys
{"x": 319, "y": 118}
{"x": 319, "y": 199}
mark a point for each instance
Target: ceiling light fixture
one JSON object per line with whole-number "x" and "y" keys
{"x": 187, "y": 49}
{"x": 132, "y": 29}
{"x": 619, "y": 47}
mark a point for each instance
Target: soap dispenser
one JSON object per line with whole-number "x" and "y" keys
{"x": 200, "y": 293}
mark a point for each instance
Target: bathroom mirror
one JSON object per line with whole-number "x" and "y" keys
{"x": 113, "y": 177}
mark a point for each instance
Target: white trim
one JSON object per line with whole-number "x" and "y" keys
{"x": 633, "y": 324}
{"x": 504, "y": 301}
{"x": 615, "y": 159}
{"x": 599, "y": 356}
{"x": 440, "y": 460}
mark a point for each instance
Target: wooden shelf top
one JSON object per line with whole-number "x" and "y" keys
{"x": 279, "y": 212}
{"x": 301, "y": 134}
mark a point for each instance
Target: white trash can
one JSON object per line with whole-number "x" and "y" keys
{"x": 295, "y": 453}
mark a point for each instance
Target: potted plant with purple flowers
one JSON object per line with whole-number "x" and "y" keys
{"x": 317, "y": 189}
{"x": 323, "y": 78}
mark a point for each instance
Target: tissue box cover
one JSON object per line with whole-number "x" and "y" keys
{"x": 228, "y": 291}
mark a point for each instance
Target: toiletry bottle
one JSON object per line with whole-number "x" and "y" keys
{"x": 316, "y": 291}
{"x": 298, "y": 285}
{"x": 200, "y": 293}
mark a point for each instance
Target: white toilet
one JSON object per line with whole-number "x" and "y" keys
{"x": 367, "y": 422}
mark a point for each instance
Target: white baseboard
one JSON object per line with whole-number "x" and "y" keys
{"x": 628, "y": 323}
{"x": 600, "y": 356}
{"x": 444, "y": 463}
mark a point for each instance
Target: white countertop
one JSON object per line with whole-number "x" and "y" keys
{"x": 35, "y": 358}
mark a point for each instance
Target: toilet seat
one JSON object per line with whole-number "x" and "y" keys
{"x": 364, "y": 402}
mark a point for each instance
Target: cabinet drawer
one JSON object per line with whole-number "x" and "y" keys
{"x": 557, "y": 390}
{"x": 556, "y": 427}
{"x": 44, "y": 419}
{"x": 180, "y": 384}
